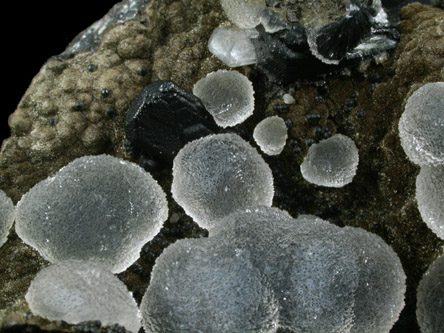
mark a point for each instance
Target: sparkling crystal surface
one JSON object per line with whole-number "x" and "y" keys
{"x": 271, "y": 134}
{"x": 6, "y": 216}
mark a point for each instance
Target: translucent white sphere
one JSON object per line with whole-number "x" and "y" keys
{"x": 332, "y": 162}
{"x": 76, "y": 291}
{"x": 244, "y": 13}
{"x": 6, "y": 216}
{"x": 430, "y": 296}
{"x": 325, "y": 278}
{"x": 430, "y": 197}
{"x": 201, "y": 286}
{"x": 96, "y": 208}
{"x": 421, "y": 127}
{"x": 227, "y": 95}
{"x": 270, "y": 135}
{"x": 217, "y": 175}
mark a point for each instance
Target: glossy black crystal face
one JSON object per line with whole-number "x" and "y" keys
{"x": 163, "y": 118}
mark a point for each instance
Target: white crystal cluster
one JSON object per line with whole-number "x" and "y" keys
{"x": 6, "y": 216}
{"x": 97, "y": 208}
{"x": 227, "y": 95}
{"x": 261, "y": 270}
{"x": 218, "y": 174}
{"x": 332, "y": 162}
{"x": 201, "y": 286}
{"x": 76, "y": 291}
{"x": 271, "y": 134}
{"x": 421, "y": 127}
{"x": 430, "y": 197}
{"x": 233, "y": 46}
{"x": 430, "y": 299}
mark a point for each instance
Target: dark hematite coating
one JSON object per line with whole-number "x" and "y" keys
{"x": 284, "y": 55}
{"x": 163, "y": 118}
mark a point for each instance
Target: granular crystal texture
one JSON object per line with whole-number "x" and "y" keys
{"x": 430, "y": 197}
{"x": 430, "y": 299}
{"x": 76, "y": 291}
{"x": 271, "y": 134}
{"x": 198, "y": 285}
{"x": 421, "y": 127}
{"x": 6, "y": 216}
{"x": 97, "y": 208}
{"x": 325, "y": 278}
{"x": 233, "y": 46}
{"x": 331, "y": 162}
{"x": 163, "y": 118}
{"x": 245, "y": 14}
{"x": 216, "y": 175}
{"x": 227, "y": 95}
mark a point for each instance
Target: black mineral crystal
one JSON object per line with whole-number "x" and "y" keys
{"x": 163, "y": 118}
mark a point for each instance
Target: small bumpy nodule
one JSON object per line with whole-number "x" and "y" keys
{"x": 245, "y": 14}
{"x": 97, "y": 208}
{"x": 198, "y": 285}
{"x": 430, "y": 197}
{"x": 325, "y": 278}
{"x": 421, "y": 127}
{"x": 430, "y": 296}
{"x": 6, "y": 216}
{"x": 227, "y": 95}
{"x": 217, "y": 175}
{"x": 271, "y": 134}
{"x": 331, "y": 162}
{"x": 76, "y": 291}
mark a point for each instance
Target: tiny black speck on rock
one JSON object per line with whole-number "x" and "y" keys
{"x": 92, "y": 67}
{"x": 111, "y": 112}
{"x": 78, "y": 106}
{"x": 142, "y": 71}
{"x": 105, "y": 92}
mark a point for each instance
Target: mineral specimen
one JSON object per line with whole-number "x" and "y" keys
{"x": 430, "y": 197}
{"x": 325, "y": 278}
{"x": 332, "y": 162}
{"x": 430, "y": 296}
{"x": 200, "y": 286}
{"x": 97, "y": 208}
{"x": 421, "y": 127}
{"x": 227, "y": 95}
{"x": 216, "y": 175}
{"x": 233, "y": 46}
{"x": 6, "y": 216}
{"x": 271, "y": 134}
{"x": 244, "y": 13}
{"x": 76, "y": 291}
{"x": 163, "y": 118}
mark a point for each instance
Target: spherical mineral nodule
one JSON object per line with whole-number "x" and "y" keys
{"x": 271, "y": 134}
{"x": 76, "y": 291}
{"x": 198, "y": 285}
{"x": 227, "y": 95}
{"x": 430, "y": 299}
{"x": 218, "y": 174}
{"x": 325, "y": 278}
{"x": 97, "y": 208}
{"x": 421, "y": 127}
{"x": 245, "y": 14}
{"x": 332, "y": 162}
{"x": 6, "y": 216}
{"x": 430, "y": 197}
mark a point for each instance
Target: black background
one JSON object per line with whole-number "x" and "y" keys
{"x": 34, "y": 31}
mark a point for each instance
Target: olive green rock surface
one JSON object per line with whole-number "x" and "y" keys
{"x": 77, "y": 107}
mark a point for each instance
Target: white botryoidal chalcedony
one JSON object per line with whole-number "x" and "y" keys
{"x": 332, "y": 162}
{"x": 98, "y": 208}
{"x": 198, "y": 285}
{"x": 421, "y": 127}
{"x": 430, "y": 296}
{"x": 233, "y": 46}
{"x": 227, "y": 95}
{"x": 218, "y": 174}
{"x": 271, "y": 134}
{"x": 76, "y": 291}
{"x": 430, "y": 197}
{"x": 6, "y": 216}
{"x": 325, "y": 278}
